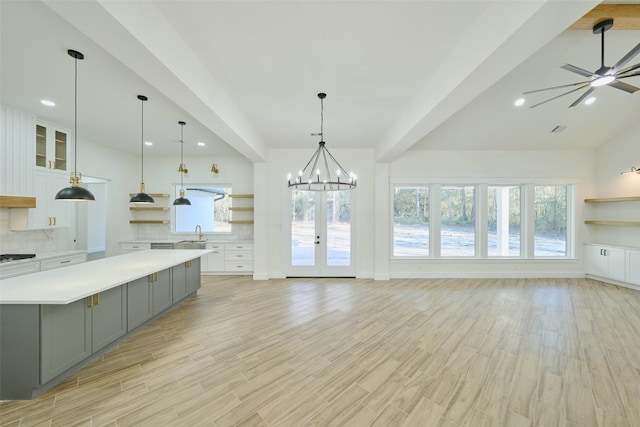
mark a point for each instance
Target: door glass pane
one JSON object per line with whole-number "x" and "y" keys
{"x": 411, "y": 221}
{"x": 61, "y": 151}
{"x": 41, "y": 146}
{"x": 550, "y": 235}
{"x": 338, "y": 228}
{"x": 303, "y": 228}
{"x": 503, "y": 222}
{"x": 458, "y": 223}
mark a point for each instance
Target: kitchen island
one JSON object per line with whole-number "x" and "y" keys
{"x": 54, "y": 322}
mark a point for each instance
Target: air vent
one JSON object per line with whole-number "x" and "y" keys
{"x": 558, "y": 129}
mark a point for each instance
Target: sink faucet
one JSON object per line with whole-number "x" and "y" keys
{"x": 199, "y": 231}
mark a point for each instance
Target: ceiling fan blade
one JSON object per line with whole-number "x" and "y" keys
{"x": 629, "y": 75}
{"x": 554, "y": 87}
{"x": 584, "y": 95}
{"x": 577, "y": 70}
{"x": 624, "y": 86}
{"x": 562, "y": 94}
{"x": 628, "y": 69}
{"x": 628, "y": 57}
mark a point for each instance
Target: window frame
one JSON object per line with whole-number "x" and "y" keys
{"x": 527, "y": 217}
{"x": 174, "y": 222}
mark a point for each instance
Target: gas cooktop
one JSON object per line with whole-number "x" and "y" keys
{"x": 15, "y": 257}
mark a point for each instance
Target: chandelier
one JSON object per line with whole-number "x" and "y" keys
{"x": 323, "y": 172}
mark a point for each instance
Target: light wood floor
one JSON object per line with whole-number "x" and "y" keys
{"x": 316, "y": 352}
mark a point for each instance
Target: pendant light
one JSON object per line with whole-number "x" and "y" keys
{"x": 75, "y": 192}
{"x": 317, "y": 174}
{"x": 182, "y": 200}
{"x": 142, "y": 197}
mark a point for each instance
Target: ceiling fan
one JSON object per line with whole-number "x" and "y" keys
{"x": 603, "y": 76}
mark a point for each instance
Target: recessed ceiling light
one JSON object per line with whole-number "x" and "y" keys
{"x": 519, "y": 102}
{"x": 47, "y": 103}
{"x": 590, "y": 100}
{"x": 201, "y": 144}
{"x": 148, "y": 143}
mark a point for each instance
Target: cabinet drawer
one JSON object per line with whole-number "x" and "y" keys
{"x": 238, "y": 266}
{"x": 219, "y": 247}
{"x": 239, "y": 247}
{"x": 7, "y": 270}
{"x": 238, "y": 256}
{"x": 58, "y": 262}
{"x": 130, "y": 247}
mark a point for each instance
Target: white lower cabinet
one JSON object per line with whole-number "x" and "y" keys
{"x": 612, "y": 262}
{"x": 134, "y": 247}
{"x": 62, "y": 261}
{"x": 18, "y": 269}
{"x": 633, "y": 266}
{"x": 48, "y": 213}
{"x": 228, "y": 258}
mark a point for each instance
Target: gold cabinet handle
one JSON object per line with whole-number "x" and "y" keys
{"x": 65, "y": 261}
{"x": 90, "y": 301}
{"x": 50, "y": 221}
{"x": 156, "y": 277}
{"x": 98, "y": 298}
{"x": 54, "y": 220}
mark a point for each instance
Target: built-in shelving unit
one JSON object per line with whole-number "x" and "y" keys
{"x": 613, "y": 222}
{"x": 160, "y": 207}
{"x": 243, "y": 208}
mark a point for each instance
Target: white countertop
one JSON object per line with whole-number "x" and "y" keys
{"x": 42, "y": 256}
{"x": 68, "y": 284}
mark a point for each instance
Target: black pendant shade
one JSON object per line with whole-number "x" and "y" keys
{"x": 141, "y": 198}
{"x": 75, "y": 192}
{"x": 182, "y": 201}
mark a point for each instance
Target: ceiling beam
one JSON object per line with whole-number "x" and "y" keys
{"x": 625, "y": 17}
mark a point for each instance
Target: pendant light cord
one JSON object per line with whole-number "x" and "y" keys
{"x": 182, "y": 155}
{"x": 142, "y": 141}
{"x": 321, "y": 119}
{"x": 75, "y": 120}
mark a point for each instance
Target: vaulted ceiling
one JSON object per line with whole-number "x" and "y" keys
{"x": 400, "y": 75}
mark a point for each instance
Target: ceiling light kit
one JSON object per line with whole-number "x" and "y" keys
{"x": 318, "y": 170}
{"x": 603, "y": 76}
{"x": 75, "y": 192}
{"x": 142, "y": 197}
{"x": 181, "y": 201}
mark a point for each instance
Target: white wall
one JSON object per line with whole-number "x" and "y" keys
{"x": 619, "y": 155}
{"x": 488, "y": 167}
{"x": 161, "y": 174}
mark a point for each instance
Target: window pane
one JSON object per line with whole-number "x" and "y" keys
{"x": 209, "y": 209}
{"x": 303, "y": 228}
{"x": 338, "y": 228}
{"x": 550, "y": 235}
{"x": 457, "y": 224}
{"x": 503, "y": 221}
{"x": 411, "y": 221}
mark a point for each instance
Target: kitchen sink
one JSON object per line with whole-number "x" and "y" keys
{"x": 190, "y": 244}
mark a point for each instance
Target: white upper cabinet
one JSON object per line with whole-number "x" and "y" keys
{"x": 48, "y": 213}
{"x": 51, "y": 148}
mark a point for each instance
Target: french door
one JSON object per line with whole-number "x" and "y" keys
{"x": 321, "y": 234}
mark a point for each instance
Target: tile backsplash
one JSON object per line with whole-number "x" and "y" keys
{"x": 36, "y": 241}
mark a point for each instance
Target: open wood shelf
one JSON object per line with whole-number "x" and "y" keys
{"x": 242, "y": 221}
{"x": 241, "y": 196}
{"x": 622, "y": 223}
{"x": 613, "y": 199}
{"x": 149, "y": 221}
{"x": 153, "y": 195}
{"x": 148, "y": 208}
{"x": 240, "y": 209}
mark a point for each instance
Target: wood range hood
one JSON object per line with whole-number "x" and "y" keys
{"x": 17, "y": 202}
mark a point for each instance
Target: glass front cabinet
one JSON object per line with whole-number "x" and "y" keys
{"x": 52, "y": 148}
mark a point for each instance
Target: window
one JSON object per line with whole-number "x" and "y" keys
{"x": 498, "y": 220}
{"x": 550, "y": 230}
{"x": 209, "y": 209}
{"x": 503, "y": 221}
{"x": 411, "y": 221}
{"x": 457, "y": 221}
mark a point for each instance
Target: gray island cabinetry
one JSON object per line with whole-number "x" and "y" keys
{"x": 72, "y": 332}
{"x": 53, "y": 323}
